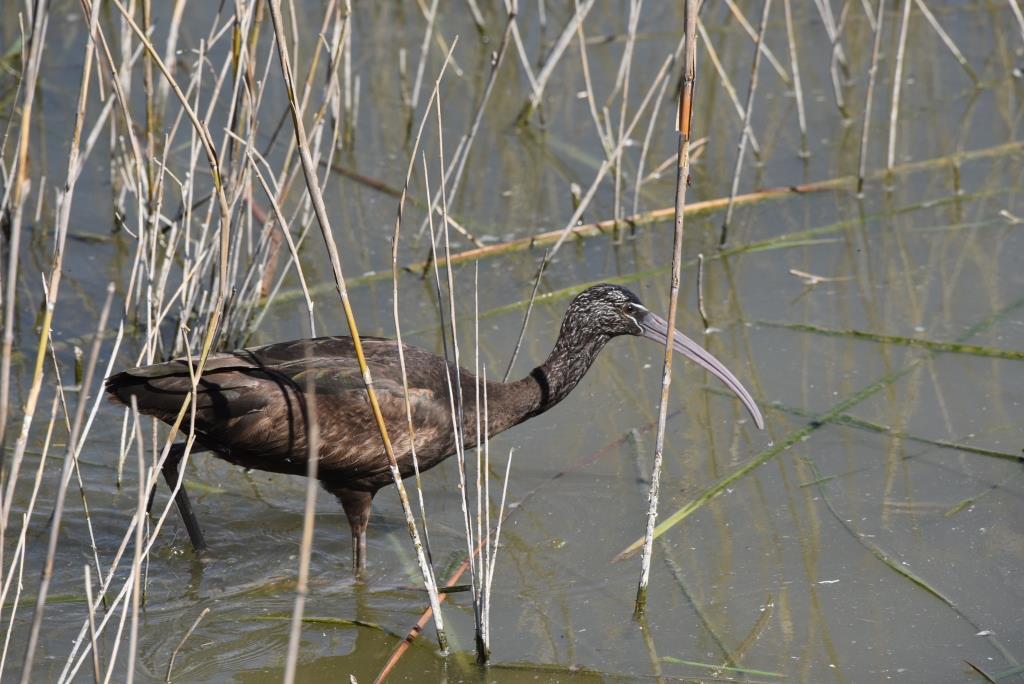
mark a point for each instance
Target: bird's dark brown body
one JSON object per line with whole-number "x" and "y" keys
{"x": 253, "y": 405}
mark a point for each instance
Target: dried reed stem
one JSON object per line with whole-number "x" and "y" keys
{"x": 426, "y": 569}
{"x": 685, "y": 117}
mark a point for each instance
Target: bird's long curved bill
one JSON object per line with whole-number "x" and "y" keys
{"x": 656, "y": 328}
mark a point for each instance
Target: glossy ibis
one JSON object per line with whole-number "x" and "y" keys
{"x": 251, "y": 403}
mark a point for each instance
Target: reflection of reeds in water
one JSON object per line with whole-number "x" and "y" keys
{"x": 194, "y": 155}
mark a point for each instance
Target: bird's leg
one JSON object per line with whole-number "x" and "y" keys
{"x": 357, "y": 510}
{"x": 171, "y": 470}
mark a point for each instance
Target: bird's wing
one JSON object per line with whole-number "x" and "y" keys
{"x": 254, "y": 402}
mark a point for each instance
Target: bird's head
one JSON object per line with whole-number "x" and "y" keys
{"x": 610, "y": 310}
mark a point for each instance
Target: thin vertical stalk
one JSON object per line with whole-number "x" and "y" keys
{"x": 455, "y": 395}
{"x": 308, "y": 522}
{"x": 748, "y": 111}
{"x": 424, "y": 53}
{"x": 427, "y": 570}
{"x": 838, "y": 58}
{"x": 685, "y": 115}
{"x": 897, "y": 83}
{"x": 872, "y": 72}
{"x": 136, "y": 574}
{"x": 92, "y": 624}
{"x": 526, "y": 316}
{"x": 794, "y": 64}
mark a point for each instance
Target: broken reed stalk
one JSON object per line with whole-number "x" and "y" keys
{"x": 313, "y": 187}
{"x": 181, "y": 644}
{"x": 872, "y": 73}
{"x": 684, "y": 121}
{"x": 526, "y": 316}
{"x": 748, "y": 111}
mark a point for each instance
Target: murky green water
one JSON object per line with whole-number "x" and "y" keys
{"x": 879, "y": 540}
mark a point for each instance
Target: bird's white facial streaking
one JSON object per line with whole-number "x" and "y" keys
{"x": 635, "y": 312}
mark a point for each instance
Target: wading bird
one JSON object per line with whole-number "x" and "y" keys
{"x": 251, "y": 405}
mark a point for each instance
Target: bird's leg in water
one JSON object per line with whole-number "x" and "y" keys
{"x": 171, "y": 473}
{"x": 357, "y": 510}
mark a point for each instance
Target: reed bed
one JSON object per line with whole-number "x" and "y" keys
{"x": 234, "y": 140}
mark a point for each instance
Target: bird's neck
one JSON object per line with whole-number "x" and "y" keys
{"x": 553, "y": 380}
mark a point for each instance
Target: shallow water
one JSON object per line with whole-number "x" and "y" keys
{"x": 879, "y": 539}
